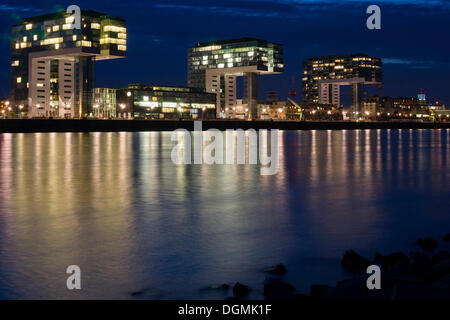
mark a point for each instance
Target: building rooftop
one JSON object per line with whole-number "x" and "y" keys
{"x": 63, "y": 13}
{"x": 230, "y": 41}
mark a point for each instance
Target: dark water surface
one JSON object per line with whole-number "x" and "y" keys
{"x": 116, "y": 205}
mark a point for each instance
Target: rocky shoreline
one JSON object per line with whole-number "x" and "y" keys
{"x": 421, "y": 275}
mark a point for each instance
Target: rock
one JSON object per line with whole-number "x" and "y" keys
{"x": 421, "y": 264}
{"x": 320, "y": 291}
{"x": 356, "y": 290}
{"x": 428, "y": 244}
{"x": 240, "y": 290}
{"x": 279, "y": 290}
{"x": 439, "y": 257}
{"x": 446, "y": 237}
{"x": 220, "y": 287}
{"x": 378, "y": 260}
{"x": 443, "y": 283}
{"x": 412, "y": 292}
{"x": 277, "y": 269}
{"x": 354, "y": 262}
{"x": 441, "y": 269}
{"x": 396, "y": 260}
{"x": 233, "y": 298}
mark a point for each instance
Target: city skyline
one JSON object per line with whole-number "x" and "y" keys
{"x": 405, "y": 71}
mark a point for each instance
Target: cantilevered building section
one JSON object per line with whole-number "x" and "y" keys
{"x": 215, "y": 65}
{"x": 52, "y": 63}
{"x": 323, "y": 76}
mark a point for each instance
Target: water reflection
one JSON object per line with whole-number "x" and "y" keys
{"x": 116, "y": 205}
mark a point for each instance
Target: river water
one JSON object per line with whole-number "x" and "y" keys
{"x": 117, "y": 206}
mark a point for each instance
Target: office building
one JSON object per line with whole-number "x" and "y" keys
{"x": 140, "y": 101}
{"x": 52, "y": 61}
{"x": 323, "y": 77}
{"x": 215, "y": 66}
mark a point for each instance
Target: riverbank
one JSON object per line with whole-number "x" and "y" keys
{"x": 73, "y": 125}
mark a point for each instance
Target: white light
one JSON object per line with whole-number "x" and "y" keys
{"x": 129, "y": 94}
{"x": 7, "y": 103}
{"x": 122, "y": 106}
{"x": 280, "y": 110}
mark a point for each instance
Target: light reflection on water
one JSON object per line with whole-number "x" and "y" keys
{"x": 115, "y": 204}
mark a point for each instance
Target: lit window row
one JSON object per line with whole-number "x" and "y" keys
{"x": 115, "y": 29}
{"x": 113, "y": 40}
{"x": 51, "y": 41}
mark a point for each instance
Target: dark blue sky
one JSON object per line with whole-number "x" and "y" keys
{"x": 414, "y": 40}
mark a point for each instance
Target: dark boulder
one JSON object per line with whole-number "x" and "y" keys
{"x": 412, "y": 292}
{"x": 378, "y": 260}
{"x": 439, "y": 257}
{"x": 279, "y": 290}
{"x": 320, "y": 292}
{"x": 354, "y": 261}
{"x": 356, "y": 290}
{"x": 220, "y": 287}
{"x": 396, "y": 260}
{"x": 441, "y": 269}
{"x": 240, "y": 290}
{"x": 276, "y": 269}
{"x": 428, "y": 244}
{"x": 421, "y": 264}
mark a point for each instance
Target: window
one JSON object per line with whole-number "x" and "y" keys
{"x": 19, "y": 79}
{"x": 15, "y": 63}
{"x": 29, "y": 26}
{"x": 35, "y": 37}
{"x": 95, "y": 25}
{"x": 55, "y": 28}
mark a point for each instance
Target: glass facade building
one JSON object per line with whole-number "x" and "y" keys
{"x": 336, "y": 68}
{"x": 52, "y": 62}
{"x": 140, "y": 101}
{"x": 215, "y": 65}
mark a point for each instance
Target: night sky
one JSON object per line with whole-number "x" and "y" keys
{"x": 414, "y": 40}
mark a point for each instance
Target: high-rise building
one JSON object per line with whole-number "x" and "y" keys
{"x": 323, "y": 76}
{"x": 215, "y": 65}
{"x": 52, "y": 61}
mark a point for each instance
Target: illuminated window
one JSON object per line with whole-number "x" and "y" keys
{"x": 51, "y": 41}
{"x": 67, "y": 26}
{"x": 74, "y": 37}
{"x": 113, "y": 40}
{"x": 39, "y": 85}
{"x": 15, "y": 63}
{"x": 115, "y": 29}
{"x": 17, "y": 45}
{"x": 55, "y": 28}
{"x": 122, "y": 35}
{"x": 29, "y": 26}
{"x": 122, "y": 48}
{"x": 49, "y": 29}
{"x": 19, "y": 79}
{"x": 23, "y": 45}
{"x": 95, "y": 25}
{"x": 145, "y": 98}
{"x": 35, "y": 37}
{"x": 70, "y": 19}
{"x": 24, "y": 39}
{"x": 56, "y": 46}
{"x": 85, "y": 43}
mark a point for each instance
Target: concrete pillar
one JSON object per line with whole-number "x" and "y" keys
{"x": 251, "y": 94}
